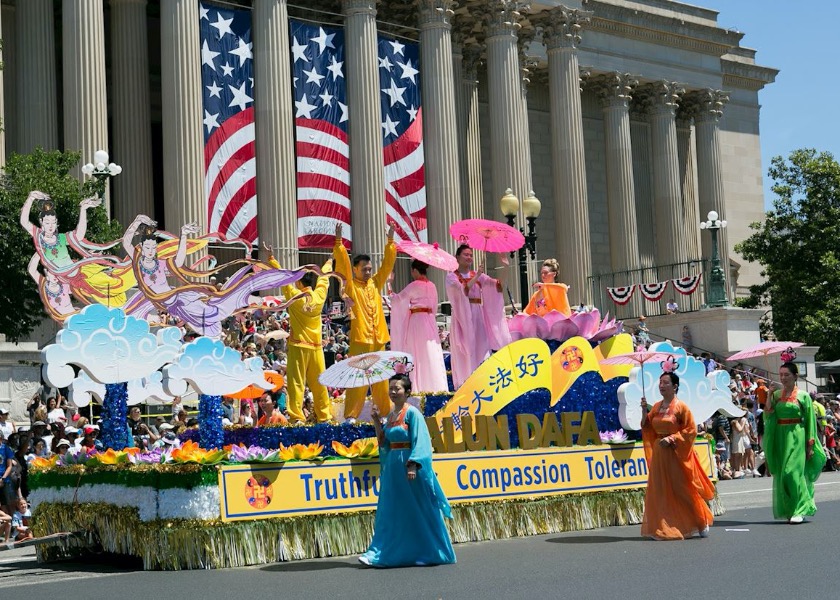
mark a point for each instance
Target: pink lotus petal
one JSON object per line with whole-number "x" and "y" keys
{"x": 563, "y": 330}
{"x": 535, "y": 326}
{"x": 515, "y": 336}
{"x": 517, "y": 322}
{"x": 604, "y": 334}
{"x": 553, "y": 316}
{"x": 587, "y": 323}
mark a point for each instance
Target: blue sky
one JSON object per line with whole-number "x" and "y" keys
{"x": 800, "y": 38}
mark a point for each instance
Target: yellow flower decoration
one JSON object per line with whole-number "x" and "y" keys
{"x": 109, "y": 457}
{"x": 44, "y": 463}
{"x": 190, "y": 452}
{"x": 300, "y": 452}
{"x": 361, "y": 448}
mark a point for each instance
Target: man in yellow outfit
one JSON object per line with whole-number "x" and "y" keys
{"x": 305, "y": 353}
{"x": 368, "y": 330}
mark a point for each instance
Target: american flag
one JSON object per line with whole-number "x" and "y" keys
{"x": 227, "y": 82}
{"x": 321, "y": 118}
{"x": 402, "y": 136}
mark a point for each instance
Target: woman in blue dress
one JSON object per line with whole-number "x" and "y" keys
{"x": 409, "y": 528}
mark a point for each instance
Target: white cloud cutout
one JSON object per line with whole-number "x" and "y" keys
{"x": 147, "y": 390}
{"x": 109, "y": 346}
{"x": 704, "y": 394}
{"x": 212, "y": 369}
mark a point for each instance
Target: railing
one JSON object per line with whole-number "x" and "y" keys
{"x": 639, "y": 305}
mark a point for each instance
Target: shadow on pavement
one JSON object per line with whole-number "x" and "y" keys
{"x": 595, "y": 539}
{"x": 312, "y": 565}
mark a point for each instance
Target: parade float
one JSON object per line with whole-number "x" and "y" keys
{"x": 536, "y": 441}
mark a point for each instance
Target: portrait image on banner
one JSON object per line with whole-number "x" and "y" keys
{"x": 402, "y": 138}
{"x": 321, "y": 143}
{"x": 227, "y": 84}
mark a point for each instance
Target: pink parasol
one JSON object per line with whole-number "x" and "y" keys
{"x": 637, "y": 358}
{"x": 430, "y": 254}
{"x": 366, "y": 369}
{"x": 764, "y": 349}
{"x": 488, "y": 236}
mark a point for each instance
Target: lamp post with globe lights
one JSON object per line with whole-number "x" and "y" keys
{"x": 716, "y": 296}
{"x": 531, "y": 207}
{"x": 101, "y": 170}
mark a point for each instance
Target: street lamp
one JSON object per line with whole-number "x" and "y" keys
{"x": 717, "y": 283}
{"x": 101, "y": 169}
{"x": 531, "y": 210}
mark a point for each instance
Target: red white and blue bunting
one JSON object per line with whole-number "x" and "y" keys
{"x": 687, "y": 285}
{"x": 653, "y": 291}
{"x": 621, "y": 295}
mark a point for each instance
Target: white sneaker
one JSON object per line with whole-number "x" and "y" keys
{"x": 796, "y": 520}
{"x": 756, "y": 473}
{"x": 364, "y": 560}
{"x": 704, "y": 533}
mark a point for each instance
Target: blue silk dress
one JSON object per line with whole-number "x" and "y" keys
{"x": 409, "y": 528}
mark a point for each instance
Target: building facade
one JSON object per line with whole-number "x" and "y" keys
{"x": 629, "y": 119}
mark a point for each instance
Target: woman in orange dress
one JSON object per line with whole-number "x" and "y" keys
{"x": 550, "y": 294}
{"x": 677, "y": 489}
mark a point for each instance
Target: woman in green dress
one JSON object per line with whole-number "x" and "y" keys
{"x": 794, "y": 456}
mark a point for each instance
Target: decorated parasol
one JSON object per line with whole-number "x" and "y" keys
{"x": 488, "y": 236}
{"x": 274, "y": 381}
{"x": 765, "y": 349}
{"x": 366, "y": 369}
{"x": 638, "y": 358}
{"x": 431, "y": 254}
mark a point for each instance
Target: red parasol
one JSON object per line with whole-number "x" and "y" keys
{"x": 430, "y": 254}
{"x": 488, "y": 236}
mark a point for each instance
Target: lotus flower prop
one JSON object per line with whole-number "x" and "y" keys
{"x": 152, "y": 457}
{"x": 43, "y": 463}
{"x": 109, "y": 457}
{"x": 556, "y": 326}
{"x": 619, "y": 436}
{"x": 361, "y": 448}
{"x": 252, "y": 454}
{"x": 301, "y": 452}
{"x": 190, "y": 452}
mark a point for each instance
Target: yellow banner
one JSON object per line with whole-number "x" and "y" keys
{"x": 571, "y": 360}
{"x": 287, "y": 490}
{"x": 619, "y": 344}
{"x": 520, "y": 367}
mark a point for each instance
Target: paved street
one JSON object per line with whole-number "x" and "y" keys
{"x": 748, "y": 556}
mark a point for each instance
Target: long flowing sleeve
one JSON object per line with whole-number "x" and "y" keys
{"x": 421, "y": 453}
{"x": 493, "y": 305}
{"x": 460, "y": 305}
{"x": 342, "y": 261}
{"x": 400, "y": 306}
{"x": 815, "y": 464}
{"x": 389, "y": 259}
{"x": 769, "y": 441}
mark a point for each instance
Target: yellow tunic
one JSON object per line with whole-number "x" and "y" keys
{"x": 305, "y": 314}
{"x": 368, "y": 329}
{"x": 368, "y": 324}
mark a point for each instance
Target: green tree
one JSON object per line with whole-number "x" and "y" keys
{"x": 20, "y": 306}
{"x": 798, "y": 246}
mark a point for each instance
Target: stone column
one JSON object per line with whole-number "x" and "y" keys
{"x": 85, "y": 102}
{"x": 440, "y": 137}
{"x": 507, "y": 144}
{"x": 367, "y": 174}
{"x": 561, "y": 35}
{"x": 132, "y": 137}
{"x": 615, "y": 91}
{"x": 183, "y": 143}
{"x": 707, "y": 106}
{"x": 36, "y": 76}
{"x": 10, "y": 113}
{"x": 688, "y": 181}
{"x": 460, "y": 118}
{"x": 668, "y": 214}
{"x": 276, "y": 170}
{"x": 471, "y": 176}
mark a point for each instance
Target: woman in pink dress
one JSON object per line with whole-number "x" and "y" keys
{"x": 414, "y": 330}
